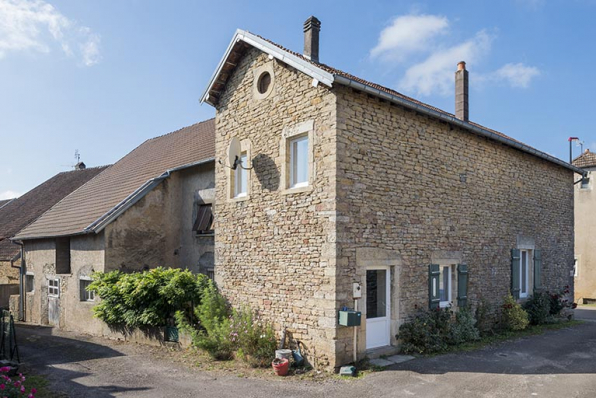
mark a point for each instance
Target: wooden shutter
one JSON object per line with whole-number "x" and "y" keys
{"x": 462, "y": 285}
{"x": 434, "y": 299}
{"x": 537, "y": 270}
{"x": 204, "y": 221}
{"x": 515, "y": 264}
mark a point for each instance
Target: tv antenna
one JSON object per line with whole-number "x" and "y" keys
{"x": 234, "y": 155}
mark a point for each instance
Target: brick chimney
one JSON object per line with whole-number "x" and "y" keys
{"x": 312, "y": 27}
{"x": 461, "y": 92}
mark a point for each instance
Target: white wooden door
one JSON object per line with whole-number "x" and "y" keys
{"x": 378, "y": 309}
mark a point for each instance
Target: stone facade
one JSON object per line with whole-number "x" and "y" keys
{"x": 155, "y": 231}
{"x": 585, "y": 244}
{"x": 388, "y": 187}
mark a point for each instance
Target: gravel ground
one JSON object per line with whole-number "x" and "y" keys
{"x": 558, "y": 363}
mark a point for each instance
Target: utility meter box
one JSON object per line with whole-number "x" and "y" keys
{"x": 349, "y": 318}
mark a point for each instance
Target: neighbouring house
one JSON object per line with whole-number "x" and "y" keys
{"x": 151, "y": 208}
{"x": 352, "y": 194}
{"x": 20, "y": 212}
{"x": 585, "y": 221}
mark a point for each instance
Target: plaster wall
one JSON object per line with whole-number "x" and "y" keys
{"x": 585, "y": 244}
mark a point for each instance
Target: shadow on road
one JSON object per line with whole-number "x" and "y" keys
{"x": 44, "y": 353}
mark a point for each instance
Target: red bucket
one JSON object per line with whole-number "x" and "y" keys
{"x": 281, "y": 366}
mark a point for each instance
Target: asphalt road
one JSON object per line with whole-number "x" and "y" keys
{"x": 557, "y": 364}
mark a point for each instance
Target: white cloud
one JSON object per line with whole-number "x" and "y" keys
{"x": 517, "y": 75}
{"x": 409, "y": 34}
{"x": 9, "y": 195}
{"x": 436, "y": 73}
{"x": 36, "y": 26}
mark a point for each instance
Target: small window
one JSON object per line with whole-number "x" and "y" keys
{"x": 575, "y": 266}
{"x": 585, "y": 184}
{"x": 299, "y": 162}
{"x": 445, "y": 286}
{"x": 54, "y": 287}
{"x": 524, "y": 273}
{"x": 86, "y": 295}
{"x": 63, "y": 256}
{"x": 29, "y": 283}
{"x": 241, "y": 178}
{"x": 204, "y": 222}
{"x": 264, "y": 82}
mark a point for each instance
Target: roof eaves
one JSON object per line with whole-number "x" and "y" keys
{"x": 98, "y": 225}
{"x": 306, "y": 67}
{"x": 453, "y": 120}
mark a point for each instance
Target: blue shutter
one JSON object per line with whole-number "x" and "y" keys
{"x": 537, "y": 270}
{"x": 462, "y": 285}
{"x": 434, "y": 299}
{"x": 515, "y": 264}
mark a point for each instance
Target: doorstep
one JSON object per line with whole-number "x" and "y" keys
{"x": 386, "y": 356}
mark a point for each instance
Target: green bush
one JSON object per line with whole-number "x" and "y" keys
{"x": 558, "y": 302}
{"x": 255, "y": 338}
{"x": 464, "y": 328}
{"x": 513, "y": 316}
{"x": 538, "y": 308}
{"x": 144, "y": 299}
{"x": 484, "y": 321}
{"x": 428, "y": 332}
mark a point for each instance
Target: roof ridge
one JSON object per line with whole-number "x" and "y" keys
{"x": 180, "y": 129}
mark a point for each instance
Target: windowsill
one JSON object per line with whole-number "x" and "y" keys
{"x": 87, "y": 301}
{"x": 239, "y": 198}
{"x": 445, "y": 304}
{"x": 289, "y": 191}
{"x": 211, "y": 234}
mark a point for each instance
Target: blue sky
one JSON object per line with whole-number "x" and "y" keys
{"x": 103, "y": 76}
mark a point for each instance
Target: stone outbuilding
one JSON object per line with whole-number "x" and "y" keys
{"x": 151, "y": 208}
{"x": 17, "y": 213}
{"x": 585, "y": 230}
{"x": 341, "y": 193}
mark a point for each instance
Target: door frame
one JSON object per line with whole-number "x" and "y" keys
{"x": 387, "y": 316}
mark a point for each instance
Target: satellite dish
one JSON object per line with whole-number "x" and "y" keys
{"x": 234, "y": 152}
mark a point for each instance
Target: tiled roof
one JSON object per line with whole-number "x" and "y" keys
{"x": 22, "y": 211}
{"x": 4, "y": 202}
{"x": 111, "y": 188}
{"x": 586, "y": 159}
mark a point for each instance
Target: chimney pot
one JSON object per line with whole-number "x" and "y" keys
{"x": 312, "y": 27}
{"x": 461, "y": 92}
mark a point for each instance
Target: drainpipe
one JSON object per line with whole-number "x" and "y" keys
{"x": 22, "y": 270}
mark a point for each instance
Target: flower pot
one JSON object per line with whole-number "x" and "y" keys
{"x": 281, "y": 366}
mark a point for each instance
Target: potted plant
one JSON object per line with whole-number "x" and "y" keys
{"x": 281, "y": 366}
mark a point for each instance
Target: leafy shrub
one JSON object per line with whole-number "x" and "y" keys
{"x": 143, "y": 299}
{"x": 464, "y": 328}
{"x": 558, "y": 302}
{"x": 513, "y": 316}
{"x": 428, "y": 332}
{"x": 484, "y": 321}
{"x": 538, "y": 308}
{"x": 254, "y": 337}
{"x": 14, "y": 387}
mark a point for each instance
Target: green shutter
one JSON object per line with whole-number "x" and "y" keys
{"x": 462, "y": 285}
{"x": 537, "y": 270}
{"x": 434, "y": 300}
{"x": 515, "y": 264}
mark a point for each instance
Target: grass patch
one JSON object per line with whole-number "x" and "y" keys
{"x": 42, "y": 385}
{"x": 509, "y": 335}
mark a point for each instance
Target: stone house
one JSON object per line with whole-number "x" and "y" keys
{"x": 585, "y": 220}
{"x": 151, "y": 208}
{"x": 16, "y": 214}
{"x": 351, "y": 195}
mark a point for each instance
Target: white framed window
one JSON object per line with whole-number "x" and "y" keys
{"x": 86, "y": 295}
{"x": 241, "y": 177}
{"x": 445, "y": 285}
{"x": 524, "y": 272}
{"x": 54, "y": 287}
{"x": 576, "y": 266}
{"x": 299, "y": 162}
{"x": 29, "y": 282}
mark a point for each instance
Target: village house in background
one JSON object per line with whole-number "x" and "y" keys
{"x": 151, "y": 208}
{"x": 585, "y": 230}
{"x": 350, "y": 189}
{"x": 16, "y": 214}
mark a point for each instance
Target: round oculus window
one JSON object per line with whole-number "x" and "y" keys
{"x": 264, "y": 82}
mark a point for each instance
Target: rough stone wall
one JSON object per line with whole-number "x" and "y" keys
{"x": 40, "y": 257}
{"x": 414, "y": 190}
{"x": 585, "y": 244}
{"x": 275, "y": 249}
{"x": 8, "y": 274}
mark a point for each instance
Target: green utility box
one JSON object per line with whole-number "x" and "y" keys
{"x": 349, "y": 318}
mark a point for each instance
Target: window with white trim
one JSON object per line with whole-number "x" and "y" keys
{"x": 86, "y": 295}
{"x": 445, "y": 285}
{"x": 575, "y": 266}
{"x": 29, "y": 283}
{"x": 524, "y": 272}
{"x": 54, "y": 287}
{"x": 241, "y": 177}
{"x": 299, "y": 161}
